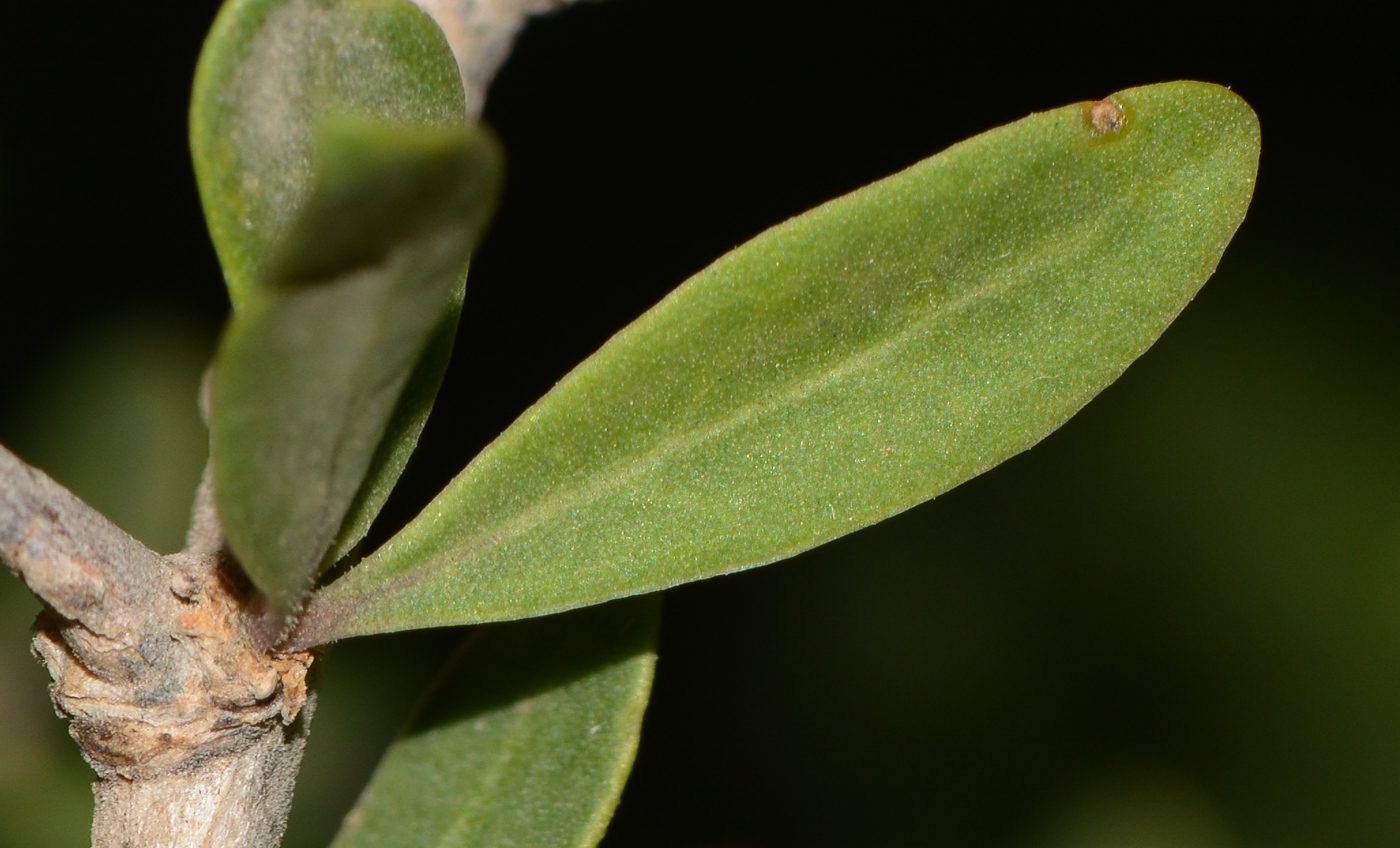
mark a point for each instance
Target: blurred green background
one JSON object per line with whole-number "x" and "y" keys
{"x": 1174, "y": 624}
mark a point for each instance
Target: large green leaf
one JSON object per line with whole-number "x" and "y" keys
{"x": 313, "y": 365}
{"x": 526, "y": 741}
{"x": 835, "y": 370}
{"x": 329, "y": 139}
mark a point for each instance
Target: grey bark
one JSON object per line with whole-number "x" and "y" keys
{"x": 195, "y": 732}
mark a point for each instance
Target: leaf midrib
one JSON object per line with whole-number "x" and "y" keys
{"x": 625, "y": 469}
{"x": 519, "y": 732}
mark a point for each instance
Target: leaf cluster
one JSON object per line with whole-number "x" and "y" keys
{"x": 833, "y": 371}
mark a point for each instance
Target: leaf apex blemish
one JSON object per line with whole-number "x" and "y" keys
{"x": 1106, "y": 117}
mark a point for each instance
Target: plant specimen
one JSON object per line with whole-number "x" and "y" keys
{"x": 831, "y": 372}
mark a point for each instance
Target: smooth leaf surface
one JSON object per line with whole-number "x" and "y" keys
{"x": 312, "y": 367}
{"x": 835, "y": 370}
{"x": 527, "y": 740}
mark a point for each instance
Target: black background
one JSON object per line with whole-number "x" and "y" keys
{"x": 645, "y": 138}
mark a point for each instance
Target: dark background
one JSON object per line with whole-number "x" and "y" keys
{"x": 1177, "y": 619}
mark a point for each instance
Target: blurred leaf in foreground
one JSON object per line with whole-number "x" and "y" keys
{"x": 312, "y": 367}
{"x": 527, "y": 740}
{"x": 271, "y": 72}
{"x": 344, "y": 192}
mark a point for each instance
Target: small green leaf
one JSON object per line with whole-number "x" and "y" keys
{"x": 527, "y": 740}
{"x": 837, "y": 369}
{"x": 312, "y": 367}
{"x": 270, "y": 74}
{"x": 329, "y": 137}
{"x": 401, "y": 433}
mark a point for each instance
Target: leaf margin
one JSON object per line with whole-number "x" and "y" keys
{"x": 629, "y": 660}
{"x": 337, "y": 612}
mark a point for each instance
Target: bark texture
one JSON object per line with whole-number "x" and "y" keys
{"x": 194, "y": 725}
{"x": 195, "y": 732}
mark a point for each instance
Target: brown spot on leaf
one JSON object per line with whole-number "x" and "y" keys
{"x": 1106, "y": 117}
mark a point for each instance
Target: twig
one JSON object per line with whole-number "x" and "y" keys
{"x": 481, "y": 33}
{"x": 69, "y": 554}
{"x": 195, "y": 732}
{"x": 195, "y": 727}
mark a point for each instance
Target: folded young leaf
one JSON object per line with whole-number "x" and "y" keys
{"x": 314, "y": 363}
{"x": 835, "y": 370}
{"x": 527, "y": 739}
{"x": 401, "y": 434}
{"x": 271, "y": 72}
{"x": 272, "y": 75}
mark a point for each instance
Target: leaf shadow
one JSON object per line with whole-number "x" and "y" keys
{"x": 502, "y": 664}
